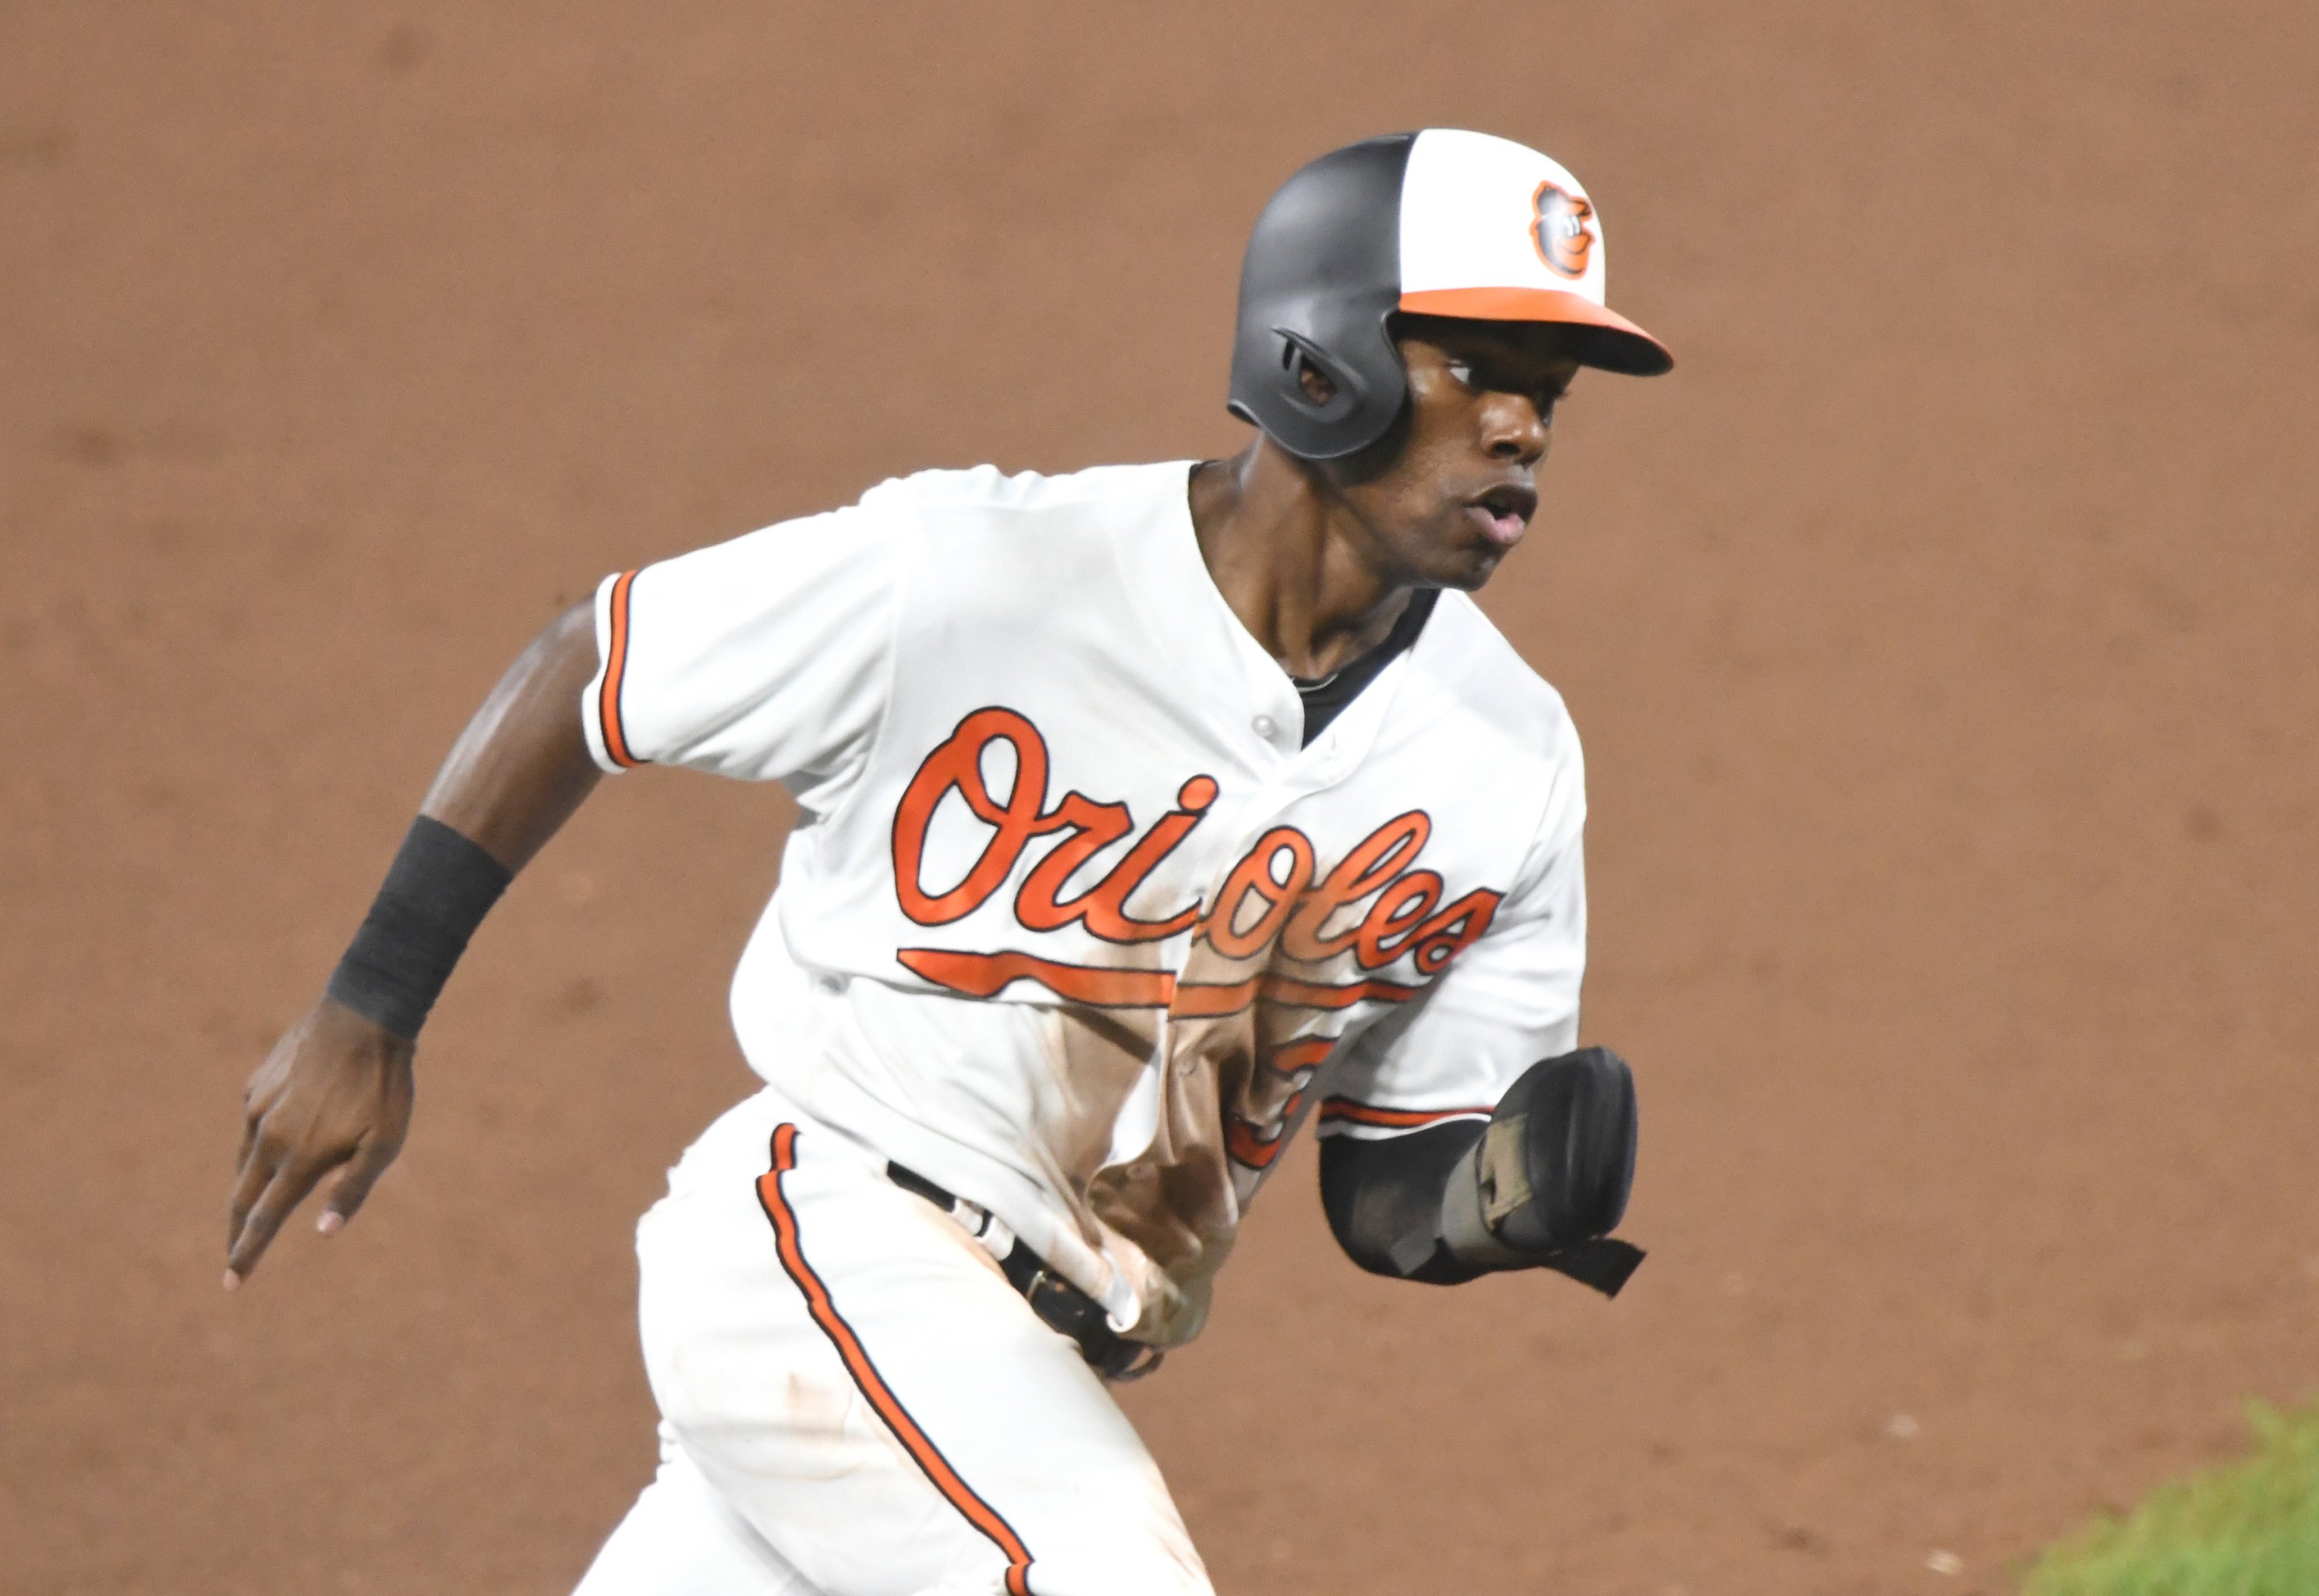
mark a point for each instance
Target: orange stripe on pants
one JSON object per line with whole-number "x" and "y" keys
{"x": 615, "y": 671}
{"x": 922, "y": 1451}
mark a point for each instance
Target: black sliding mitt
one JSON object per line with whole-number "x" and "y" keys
{"x": 1558, "y": 1161}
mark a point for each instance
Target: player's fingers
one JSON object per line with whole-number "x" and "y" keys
{"x": 354, "y": 1183}
{"x": 285, "y": 1192}
{"x": 260, "y": 1157}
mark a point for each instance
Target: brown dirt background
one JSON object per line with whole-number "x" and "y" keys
{"x": 1942, "y": 632}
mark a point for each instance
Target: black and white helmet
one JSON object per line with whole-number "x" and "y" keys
{"x": 1442, "y": 222}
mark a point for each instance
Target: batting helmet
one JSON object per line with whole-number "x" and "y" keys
{"x": 1442, "y": 222}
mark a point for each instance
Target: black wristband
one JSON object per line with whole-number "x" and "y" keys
{"x": 437, "y": 892}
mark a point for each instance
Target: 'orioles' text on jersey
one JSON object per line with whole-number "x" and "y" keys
{"x": 1072, "y": 923}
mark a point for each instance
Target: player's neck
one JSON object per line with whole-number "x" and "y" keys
{"x": 1288, "y": 559}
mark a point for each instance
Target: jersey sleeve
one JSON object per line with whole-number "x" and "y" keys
{"x": 769, "y": 657}
{"x": 1508, "y": 1001}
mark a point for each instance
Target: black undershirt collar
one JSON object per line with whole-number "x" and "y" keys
{"x": 1326, "y": 696}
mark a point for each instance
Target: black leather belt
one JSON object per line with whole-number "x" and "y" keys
{"x": 1064, "y": 1307}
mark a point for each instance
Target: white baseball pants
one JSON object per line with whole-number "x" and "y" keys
{"x": 855, "y": 1403}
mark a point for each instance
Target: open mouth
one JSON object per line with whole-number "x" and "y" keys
{"x": 1504, "y": 511}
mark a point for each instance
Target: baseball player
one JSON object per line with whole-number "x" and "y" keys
{"x": 1146, "y": 813}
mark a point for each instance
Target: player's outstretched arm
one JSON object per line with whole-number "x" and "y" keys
{"x": 336, "y": 1092}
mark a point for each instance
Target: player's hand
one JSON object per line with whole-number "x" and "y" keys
{"x": 335, "y": 1093}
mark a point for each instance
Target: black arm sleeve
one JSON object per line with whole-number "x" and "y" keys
{"x": 1384, "y": 1200}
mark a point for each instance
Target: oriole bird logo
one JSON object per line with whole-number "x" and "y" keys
{"x": 1562, "y": 230}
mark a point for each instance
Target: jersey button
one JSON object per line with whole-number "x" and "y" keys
{"x": 1265, "y": 727}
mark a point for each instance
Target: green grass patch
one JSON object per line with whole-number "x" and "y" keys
{"x": 2246, "y": 1529}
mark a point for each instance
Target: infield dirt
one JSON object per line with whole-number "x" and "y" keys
{"x": 1942, "y": 632}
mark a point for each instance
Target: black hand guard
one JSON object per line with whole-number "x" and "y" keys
{"x": 1558, "y": 1159}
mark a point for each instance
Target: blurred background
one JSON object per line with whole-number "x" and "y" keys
{"x": 1940, "y": 632}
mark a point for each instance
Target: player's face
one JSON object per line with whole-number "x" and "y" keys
{"x": 1453, "y": 487}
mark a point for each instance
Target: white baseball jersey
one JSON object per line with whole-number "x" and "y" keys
{"x": 1073, "y": 923}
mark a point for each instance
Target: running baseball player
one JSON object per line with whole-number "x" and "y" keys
{"x": 1147, "y": 812}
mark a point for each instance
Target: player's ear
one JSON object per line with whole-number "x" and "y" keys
{"x": 1314, "y": 382}
{"x": 1317, "y": 384}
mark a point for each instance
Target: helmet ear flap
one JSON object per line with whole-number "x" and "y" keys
{"x": 1322, "y": 272}
{"x": 1347, "y": 387}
